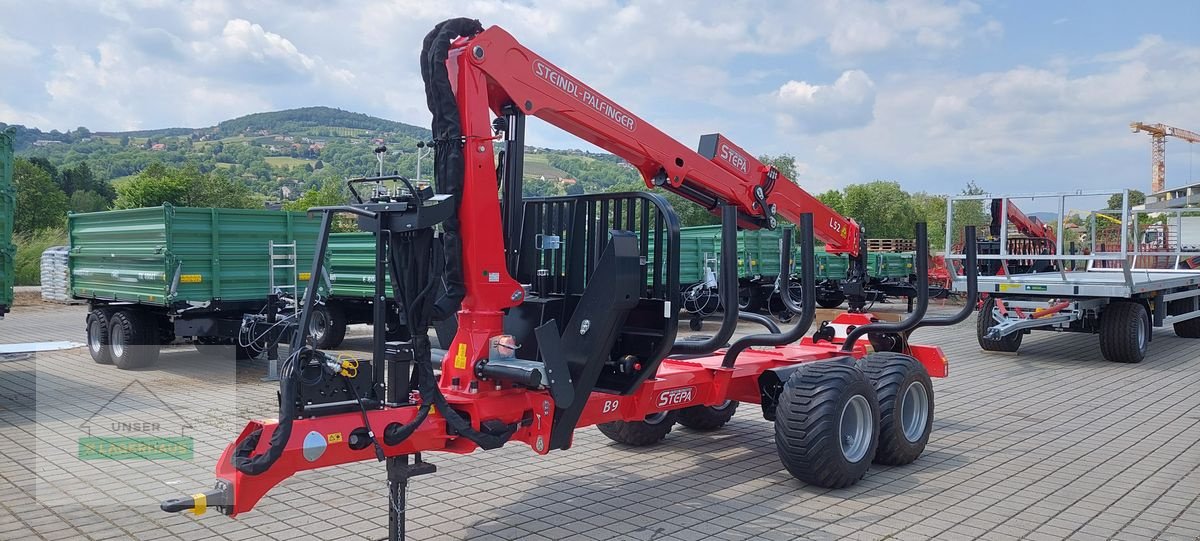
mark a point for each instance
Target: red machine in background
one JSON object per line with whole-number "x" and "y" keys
{"x": 1034, "y": 237}
{"x": 568, "y": 307}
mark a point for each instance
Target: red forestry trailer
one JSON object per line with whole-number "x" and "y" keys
{"x": 568, "y": 307}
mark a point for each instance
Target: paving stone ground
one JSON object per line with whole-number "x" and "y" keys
{"x": 1052, "y": 443}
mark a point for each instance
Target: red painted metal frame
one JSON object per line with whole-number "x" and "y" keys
{"x": 485, "y": 80}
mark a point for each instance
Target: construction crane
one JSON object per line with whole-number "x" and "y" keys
{"x": 1158, "y": 149}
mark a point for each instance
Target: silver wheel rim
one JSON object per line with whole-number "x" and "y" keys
{"x": 914, "y": 411}
{"x": 116, "y": 341}
{"x": 856, "y": 428}
{"x": 94, "y": 337}
{"x": 656, "y": 418}
{"x": 722, "y": 405}
{"x": 1141, "y": 334}
{"x": 316, "y": 328}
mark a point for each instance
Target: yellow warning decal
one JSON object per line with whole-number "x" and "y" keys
{"x": 304, "y": 275}
{"x": 190, "y": 278}
{"x": 1010, "y": 287}
{"x": 460, "y": 360}
{"x": 335, "y": 437}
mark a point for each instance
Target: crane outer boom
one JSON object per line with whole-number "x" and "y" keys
{"x": 519, "y": 77}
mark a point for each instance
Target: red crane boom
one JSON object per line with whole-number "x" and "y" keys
{"x": 1030, "y": 226}
{"x": 720, "y": 171}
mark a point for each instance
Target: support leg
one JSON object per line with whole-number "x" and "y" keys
{"x": 397, "y": 473}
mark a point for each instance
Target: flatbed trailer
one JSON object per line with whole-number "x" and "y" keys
{"x": 1125, "y": 288}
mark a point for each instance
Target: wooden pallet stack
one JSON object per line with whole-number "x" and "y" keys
{"x": 891, "y": 245}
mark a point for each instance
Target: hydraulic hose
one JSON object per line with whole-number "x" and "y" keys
{"x": 761, "y": 320}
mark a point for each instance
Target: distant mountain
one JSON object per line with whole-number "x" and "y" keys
{"x": 281, "y": 153}
{"x": 290, "y": 121}
{"x": 307, "y": 118}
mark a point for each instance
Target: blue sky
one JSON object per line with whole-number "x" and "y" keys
{"x": 1018, "y": 96}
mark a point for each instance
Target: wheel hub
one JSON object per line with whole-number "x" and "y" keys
{"x": 914, "y": 411}
{"x": 94, "y": 337}
{"x": 117, "y": 342}
{"x": 856, "y": 428}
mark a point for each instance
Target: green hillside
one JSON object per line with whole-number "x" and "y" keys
{"x": 296, "y": 149}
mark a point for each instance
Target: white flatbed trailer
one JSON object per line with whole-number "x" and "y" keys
{"x": 1114, "y": 294}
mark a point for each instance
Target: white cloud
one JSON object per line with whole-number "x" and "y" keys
{"x": 860, "y": 26}
{"x": 846, "y": 103}
{"x": 1020, "y": 124}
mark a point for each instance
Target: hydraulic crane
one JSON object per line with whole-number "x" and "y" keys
{"x": 568, "y": 306}
{"x": 1037, "y": 238}
{"x": 1158, "y": 149}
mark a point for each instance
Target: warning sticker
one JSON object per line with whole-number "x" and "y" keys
{"x": 190, "y": 278}
{"x": 460, "y": 359}
{"x": 493, "y": 277}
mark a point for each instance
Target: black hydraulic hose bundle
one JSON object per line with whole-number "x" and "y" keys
{"x": 448, "y": 159}
{"x": 410, "y": 247}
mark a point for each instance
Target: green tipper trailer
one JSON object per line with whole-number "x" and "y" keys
{"x": 153, "y": 275}
{"x": 351, "y": 267}
{"x": 8, "y": 208}
{"x": 758, "y": 267}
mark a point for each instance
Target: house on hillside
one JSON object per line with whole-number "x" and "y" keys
{"x": 45, "y": 143}
{"x": 159, "y": 146}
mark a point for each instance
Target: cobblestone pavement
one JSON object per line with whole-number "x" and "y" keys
{"x": 1052, "y": 443}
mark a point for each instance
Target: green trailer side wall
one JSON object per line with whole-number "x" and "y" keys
{"x": 8, "y": 208}
{"x": 220, "y": 254}
{"x": 352, "y": 265}
{"x": 758, "y": 254}
{"x": 890, "y": 264}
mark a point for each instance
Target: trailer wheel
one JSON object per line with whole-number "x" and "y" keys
{"x": 827, "y": 424}
{"x": 905, "y": 395}
{"x": 1124, "y": 332}
{"x": 708, "y": 417}
{"x": 696, "y": 323}
{"x": 133, "y": 340}
{"x": 831, "y": 301}
{"x": 97, "y": 337}
{"x": 327, "y": 326}
{"x": 640, "y": 433}
{"x": 749, "y": 300}
{"x": 1009, "y": 344}
{"x": 1188, "y": 328}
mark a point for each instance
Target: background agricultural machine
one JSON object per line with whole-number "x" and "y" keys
{"x": 568, "y": 307}
{"x": 8, "y": 206}
{"x": 1130, "y": 277}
